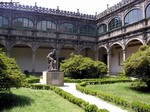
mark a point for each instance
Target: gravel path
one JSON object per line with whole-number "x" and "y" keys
{"x": 70, "y": 87}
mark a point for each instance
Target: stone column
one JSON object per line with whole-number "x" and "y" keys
{"x": 108, "y": 62}
{"x": 8, "y": 53}
{"x": 124, "y": 54}
{"x": 33, "y": 61}
{"x": 96, "y": 56}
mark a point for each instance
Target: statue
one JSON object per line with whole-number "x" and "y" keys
{"x": 51, "y": 60}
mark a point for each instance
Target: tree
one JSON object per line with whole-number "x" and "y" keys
{"x": 138, "y": 65}
{"x": 10, "y": 74}
{"x": 80, "y": 67}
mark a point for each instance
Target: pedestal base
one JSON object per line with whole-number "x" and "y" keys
{"x": 55, "y": 78}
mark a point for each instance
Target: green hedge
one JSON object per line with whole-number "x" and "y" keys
{"x": 136, "y": 106}
{"x": 102, "y": 80}
{"x": 33, "y": 79}
{"x": 78, "y": 101}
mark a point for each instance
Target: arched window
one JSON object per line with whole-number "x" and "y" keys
{"x": 87, "y": 30}
{"x": 46, "y": 26}
{"x": 133, "y": 16}
{"x": 22, "y": 23}
{"x": 67, "y": 27}
{"x": 3, "y": 22}
{"x": 102, "y": 29}
{"x": 114, "y": 23}
{"x": 148, "y": 11}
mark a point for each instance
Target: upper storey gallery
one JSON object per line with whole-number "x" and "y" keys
{"x": 35, "y": 18}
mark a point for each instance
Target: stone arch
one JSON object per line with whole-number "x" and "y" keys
{"x": 114, "y": 23}
{"x": 102, "y": 54}
{"x": 46, "y": 25}
{"x": 20, "y": 43}
{"x": 67, "y": 27}
{"x": 128, "y": 17}
{"x": 22, "y": 23}
{"x": 88, "y": 52}
{"x": 133, "y": 39}
{"x": 148, "y": 41}
{"x": 2, "y": 47}
{"x": 145, "y": 8}
{"x": 101, "y": 28}
{"x": 115, "y": 58}
{"x": 23, "y": 55}
{"x": 128, "y": 10}
{"x": 115, "y": 43}
{"x": 132, "y": 46}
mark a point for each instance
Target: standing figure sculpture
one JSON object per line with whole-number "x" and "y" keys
{"x": 51, "y": 60}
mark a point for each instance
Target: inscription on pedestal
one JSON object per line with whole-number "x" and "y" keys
{"x": 55, "y": 76}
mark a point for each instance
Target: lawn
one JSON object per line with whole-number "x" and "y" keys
{"x": 123, "y": 90}
{"x": 29, "y": 100}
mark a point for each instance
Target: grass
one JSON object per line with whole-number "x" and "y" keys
{"x": 29, "y": 100}
{"x": 123, "y": 90}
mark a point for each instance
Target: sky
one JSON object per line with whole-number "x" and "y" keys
{"x": 84, "y": 6}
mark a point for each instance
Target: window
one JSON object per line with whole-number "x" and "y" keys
{"x": 46, "y": 26}
{"x": 102, "y": 29}
{"x": 22, "y": 23}
{"x": 133, "y": 16}
{"x": 148, "y": 11}
{"x": 67, "y": 27}
{"x": 114, "y": 23}
{"x": 87, "y": 30}
{"x": 3, "y": 22}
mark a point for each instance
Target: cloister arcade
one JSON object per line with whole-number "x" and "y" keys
{"x": 111, "y": 36}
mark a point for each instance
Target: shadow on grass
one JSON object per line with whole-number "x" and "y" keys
{"x": 9, "y": 100}
{"x": 141, "y": 89}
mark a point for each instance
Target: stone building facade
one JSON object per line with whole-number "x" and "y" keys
{"x": 29, "y": 33}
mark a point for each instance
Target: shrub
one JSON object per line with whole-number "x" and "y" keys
{"x": 138, "y": 65}
{"x": 32, "y": 79}
{"x": 10, "y": 74}
{"x": 80, "y": 67}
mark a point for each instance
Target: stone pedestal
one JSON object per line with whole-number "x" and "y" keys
{"x": 55, "y": 78}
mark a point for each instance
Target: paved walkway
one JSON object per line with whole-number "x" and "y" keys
{"x": 70, "y": 87}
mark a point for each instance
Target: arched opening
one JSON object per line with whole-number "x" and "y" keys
{"x": 87, "y": 30}
{"x": 23, "y": 56}
{"x": 133, "y": 16}
{"x": 102, "y": 55}
{"x": 116, "y": 59}
{"x": 67, "y": 28}
{"x": 102, "y": 29}
{"x": 114, "y": 23}
{"x": 22, "y": 23}
{"x": 147, "y": 11}
{"x": 41, "y": 62}
{"x": 88, "y": 52}
{"x": 45, "y": 25}
{"x": 132, "y": 47}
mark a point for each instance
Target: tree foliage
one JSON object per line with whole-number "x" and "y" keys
{"x": 10, "y": 74}
{"x": 138, "y": 64}
{"x": 78, "y": 66}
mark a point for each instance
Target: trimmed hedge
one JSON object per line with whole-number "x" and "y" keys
{"x": 78, "y": 101}
{"x": 101, "y": 80}
{"x": 136, "y": 106}
{"x": 33, "y": 79}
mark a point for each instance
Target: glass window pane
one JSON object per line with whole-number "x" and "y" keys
{"x": 133, "y": 16}
{"x": 148, "y": 11}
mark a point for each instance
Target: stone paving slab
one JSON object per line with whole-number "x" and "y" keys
{"x": 71, "y": 88}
